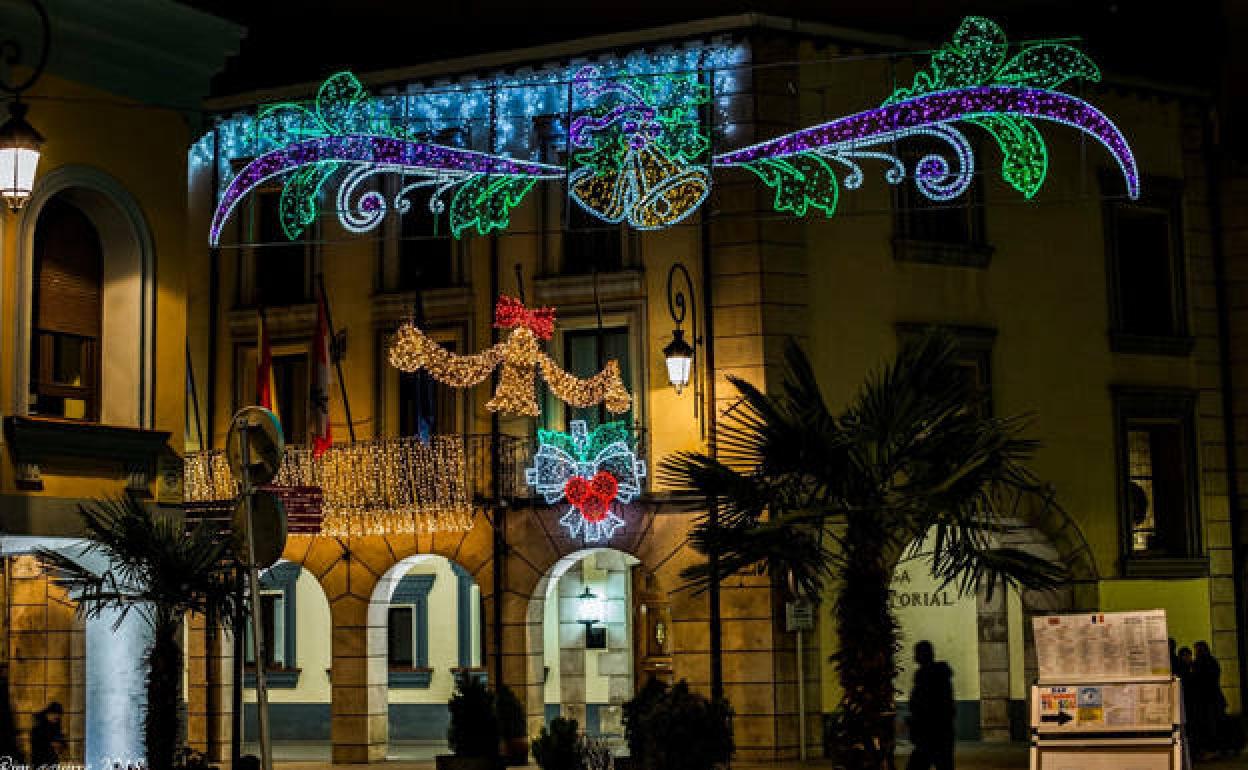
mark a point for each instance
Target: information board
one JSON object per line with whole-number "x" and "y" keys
{"x": 1130, "y": 706}
{"x": 1104, "y": 646}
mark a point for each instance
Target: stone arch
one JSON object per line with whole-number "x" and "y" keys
{"x": 538, "y": 607}
{"x": 129, "y": 291}
{"x": 351, "y": 572}
{"x": 303, "y": 680}
{"x": 655, "y": 535}
{"x": 1052, "y": 534}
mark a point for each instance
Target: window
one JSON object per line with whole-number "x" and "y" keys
{"x": 290, "y": 379}
{"x": 65, "y": 337}
{"x": 941, "y": 232}
{"x": 281, "y": 270}
{"x": 407, "y": 632}
{"x": 585, "y": 351}
{"x": 591, "y": 244}
{"x": 278, "y": 621}
{"x": 426, "y": 406}
{"x": 974, "y": 356}
{"x": 1148, "y": 301}
{"x": 400, "y": 647}
{"x": 426, "y": 250}
{"x": 273, "y": 624}
{"x": 1157, "y": 481}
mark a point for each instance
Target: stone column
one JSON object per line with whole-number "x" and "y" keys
{"x": 994, "y": 666}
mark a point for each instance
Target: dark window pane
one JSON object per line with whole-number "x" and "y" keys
{"x": 590, "y": 243}
{"x": 581, "y": 358}
{"x": 1145, "y": 271}
{"x": 426, "y": 406}
{"x": 290, "y": 380}
{"x": 426, "y": 250}
{"x": 280, "y": 264}
{"x": 399, "y": 646}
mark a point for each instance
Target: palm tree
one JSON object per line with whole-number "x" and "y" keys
{"x": 155, "y": 567}
{"x": 816, "y": 498}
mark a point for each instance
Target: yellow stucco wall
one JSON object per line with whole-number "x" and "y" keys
{"x": 143, "y": 149}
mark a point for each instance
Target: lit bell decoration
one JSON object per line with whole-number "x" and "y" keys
{"x": 521, "y": 359}
{"x": 635, "y": 168}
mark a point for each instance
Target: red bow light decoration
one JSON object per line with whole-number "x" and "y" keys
{"x": 511, "y": 313}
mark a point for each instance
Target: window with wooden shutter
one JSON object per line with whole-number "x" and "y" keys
{"x": 65, "y": 336}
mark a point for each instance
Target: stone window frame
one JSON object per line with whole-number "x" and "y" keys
{"x": 1159, "y": 193}
{"x": 976, "y": 253}
{"x": 413, "y": 591}
{"x": 974, "y": 347}
{"x": 1133, "y": 404}
{"x": 245, "y": 289}
{"x": 283, "y": 577}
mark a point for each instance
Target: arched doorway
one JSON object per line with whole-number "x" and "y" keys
{"x": 296, "y": 620}
{"x": 993, "y": 665}
{"x": 425, "y": 614}
{"x": 588, "y": 670}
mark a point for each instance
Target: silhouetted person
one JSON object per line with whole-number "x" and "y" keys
{"x": 931, "y": 712}
{"x": 1206, "y": 704}
{"x": 47, "y": 742}
{"x": 1174, "y": 657}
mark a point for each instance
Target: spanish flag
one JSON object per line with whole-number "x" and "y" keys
{"x": 266, "y": 388}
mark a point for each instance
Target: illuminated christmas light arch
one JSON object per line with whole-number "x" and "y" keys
{"x": 640, "y": 153}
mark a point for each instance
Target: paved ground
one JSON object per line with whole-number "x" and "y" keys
{"x": 971, "y": 756}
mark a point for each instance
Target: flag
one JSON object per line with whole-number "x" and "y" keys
{"x": 266, "y": 388}
{"x": 318, "y": 401}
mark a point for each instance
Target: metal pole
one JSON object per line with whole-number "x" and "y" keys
{"x": 236, "y": 700}
{"x": 257, "y": 628}
{"x": 190, "y": 382}
{"x": 336, "y": 354}
{"x": 801, "y": 699}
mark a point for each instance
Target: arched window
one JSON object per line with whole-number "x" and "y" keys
{"x": 65, "y": 328}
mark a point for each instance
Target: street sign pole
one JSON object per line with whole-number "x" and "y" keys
{"x": 243, "y": 428}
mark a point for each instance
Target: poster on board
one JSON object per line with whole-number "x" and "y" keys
{"x": 1102, "y": 646}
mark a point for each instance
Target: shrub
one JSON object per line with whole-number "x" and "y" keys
{"x": 474, "y": 719}
{"x": 676, "y": 729}
{"x": 558, "y": 748}
{"x": 511, "y": 717}
{"x": 636, "y": 717}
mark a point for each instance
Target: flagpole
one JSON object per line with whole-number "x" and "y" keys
{"x": 336, "y": 354}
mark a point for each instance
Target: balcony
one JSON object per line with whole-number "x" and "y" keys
{"x": 383, "y": 485}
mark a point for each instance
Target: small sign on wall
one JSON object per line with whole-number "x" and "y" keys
{"x": 799, "y": 616}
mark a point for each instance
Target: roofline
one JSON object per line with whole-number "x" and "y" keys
{"x": 576, "y": 47}
{"x": 584, "y": 46}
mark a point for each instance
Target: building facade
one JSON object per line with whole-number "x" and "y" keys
{"x": 1101, "y": 315}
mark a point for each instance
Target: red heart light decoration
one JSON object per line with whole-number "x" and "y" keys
{"x": 595, "y": 508}
{"x": 604, "y": 485}
{"x": 578, "y": 491}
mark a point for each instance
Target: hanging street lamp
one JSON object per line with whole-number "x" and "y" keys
{"x": 20, "y": 143}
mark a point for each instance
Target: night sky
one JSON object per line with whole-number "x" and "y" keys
{"x": 293, "y": 42}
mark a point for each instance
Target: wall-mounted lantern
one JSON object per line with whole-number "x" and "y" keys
{"x": 679, "y": 355}
{"x": 591, "y": 612}
{"x": 20, "y": 143}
